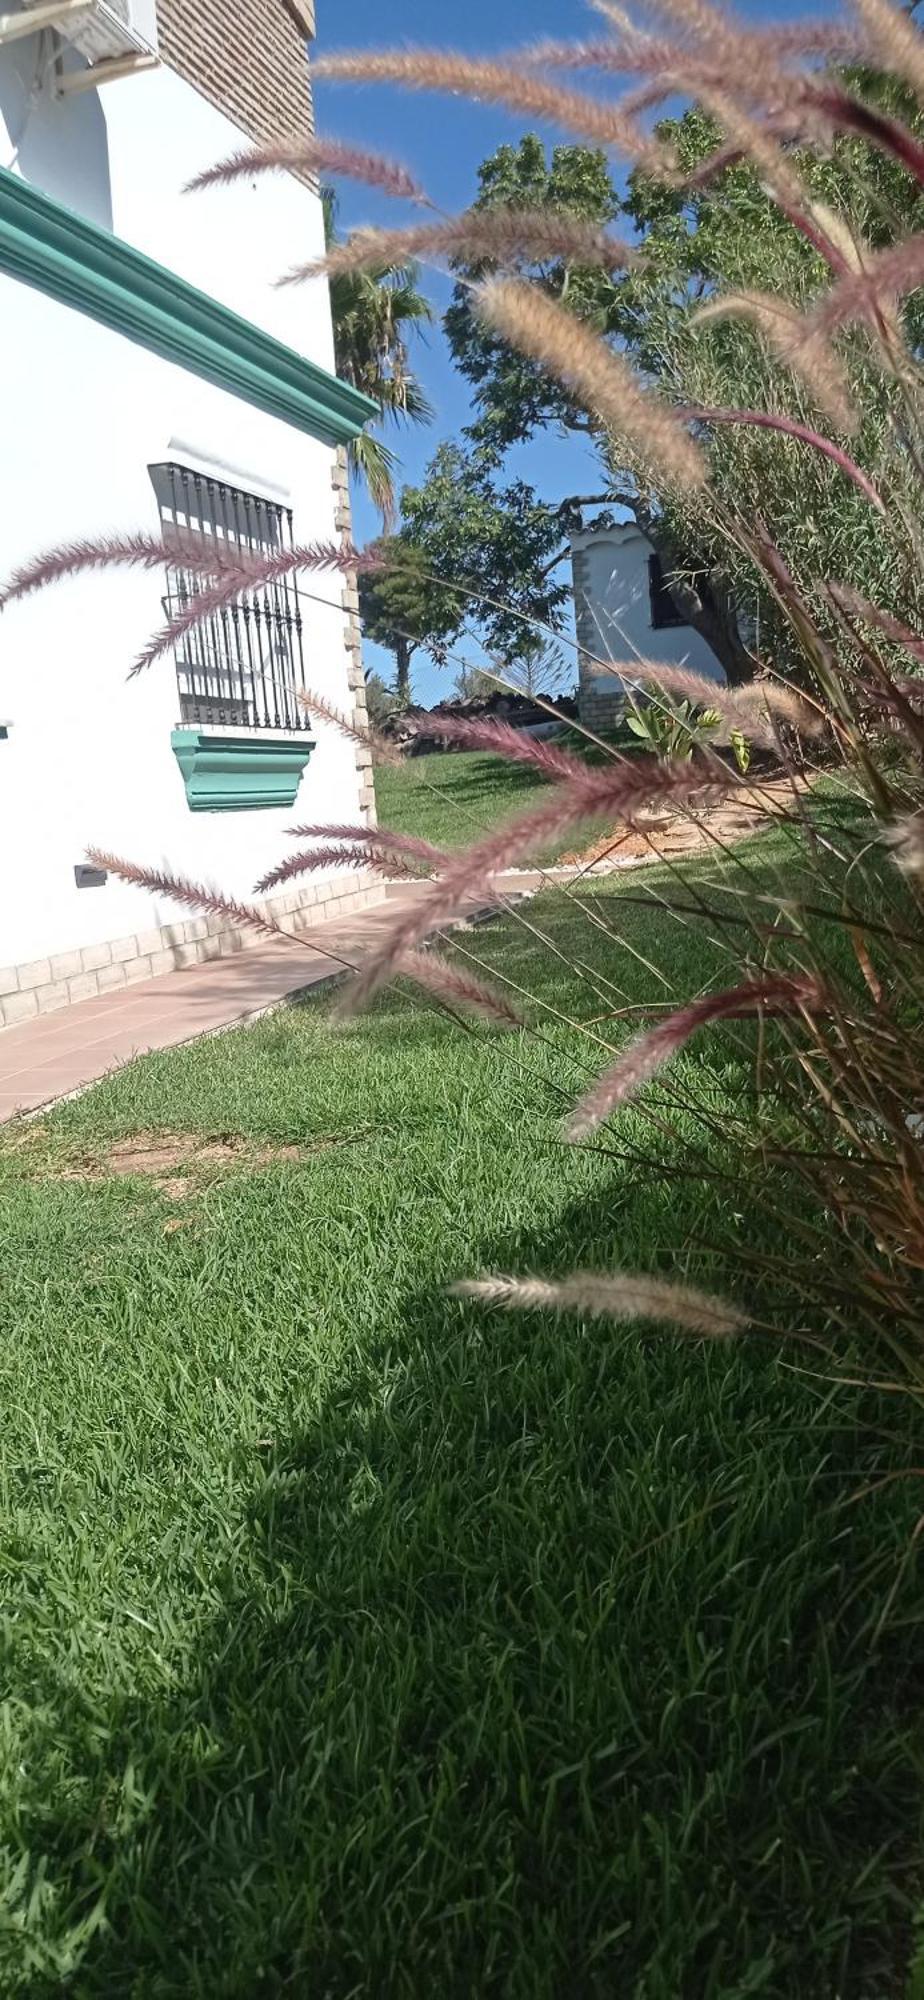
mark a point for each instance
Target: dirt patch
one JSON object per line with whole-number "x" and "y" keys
{"x": 669, "y": 836}
{"x": 170, "y": 1159}
{"x": 163, "y": 1152}
{"x": 177, "y": 1164}
{"x": 161, "y": 1155}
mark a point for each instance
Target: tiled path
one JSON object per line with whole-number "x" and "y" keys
{"x": 55, "y": 1054}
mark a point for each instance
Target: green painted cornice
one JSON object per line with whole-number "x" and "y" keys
{"x": 59, "y": 252}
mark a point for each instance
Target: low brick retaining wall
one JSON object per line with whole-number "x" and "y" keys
{"x": 44, "y": 984}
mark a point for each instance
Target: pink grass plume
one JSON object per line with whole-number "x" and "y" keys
{"x": 385, "y": 837}
{"x": 515, "y": 745}
{"x": 905, "y": 837}
{"x": 619, "y": 790}
{"x": 312, "y": 156}
{"x": 189, "y": 894}
{"x": 458, "y": 987}
{"x": 504, "y": 235}
{"x": 856, "y": 605}
{"x": 754, "y": 708}
{"x": 896, "y": 41}
{"x": 375, "y": 847}
{"x": 502, "y": 83}
{"x": 206, "y": 901}
{"x": 849, "y": 114}
{"x": 237, "y": 571}
{"x": 134, "y": 551}
{"x": 649, "y": 1052}
{"x": 599, "y": 377}
{"x": 318, "y": 705}
{"x": 857, "y": 297}
{"x": 310, "y": 859}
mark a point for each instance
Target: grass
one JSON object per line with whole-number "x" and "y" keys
{"x": 450, "y": 796}
{"x": 358, "y": 1641}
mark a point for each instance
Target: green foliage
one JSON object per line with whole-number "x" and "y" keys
{"x": 373, "y": 314}
{"x": 361, "y": 1640}
{"x": 474, "y": 684}
{"x": 489, "y": 545}
{"x": 677, "y": 729}
{"x": 404, "y": 607}
{"x": 727, "y": 236}
{"x": 450, "y": 795}
{"x": 731, "y": 237}
{"x": 674, "y": 728}
{"x": 513, "y": 395}
{"x": 471, "y": 554}
{"x": 381, "y": 701}
{"x": 741, "y": 749}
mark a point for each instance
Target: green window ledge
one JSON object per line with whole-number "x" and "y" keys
{"x": 237, "y": 773}
{"x": 57, "y": 251}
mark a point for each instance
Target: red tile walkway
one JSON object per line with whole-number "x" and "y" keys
{"x": 58, "y": 1053}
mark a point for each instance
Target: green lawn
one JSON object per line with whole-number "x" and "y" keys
{"x": 450, "y": 796}
{"x": 356, "y": 1641}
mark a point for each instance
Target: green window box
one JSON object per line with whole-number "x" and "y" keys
{"x": 240, "y": 773}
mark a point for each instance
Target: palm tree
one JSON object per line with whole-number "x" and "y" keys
{"x": 372, "y": 312}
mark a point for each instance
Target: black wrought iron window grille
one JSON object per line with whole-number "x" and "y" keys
{"x": 242, "y": 665}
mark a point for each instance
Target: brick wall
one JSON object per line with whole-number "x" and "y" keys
{"x": 44, "y": 985}
{"x": 248, "y": 57}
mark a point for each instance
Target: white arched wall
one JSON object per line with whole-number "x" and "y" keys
{"x": 613, "y": 617}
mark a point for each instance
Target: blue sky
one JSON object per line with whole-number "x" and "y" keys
{"x": 443, "y": 140}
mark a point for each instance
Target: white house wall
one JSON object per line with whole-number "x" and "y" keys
{"x": 613, "y": 613}
{"x": 88, "y": 756}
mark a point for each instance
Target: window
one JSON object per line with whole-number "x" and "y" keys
{"x": 663, "y": 609}
{"x": 242, "y": 667}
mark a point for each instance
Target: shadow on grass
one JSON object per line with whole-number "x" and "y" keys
{"x": 552, "y": 1673}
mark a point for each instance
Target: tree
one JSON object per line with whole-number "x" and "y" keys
{"x": 470, "y": 555}
{"x": 380, "y": 701}
{"x": 494, "y": 550}
{"x": 373, "y": 313}
{"x": 725, "y": 236}
{"x": 474, "y": 684}
{"x": 514, "y": 398}
{"x": 403, "y": 608}
{"x": 729, "y": 238}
